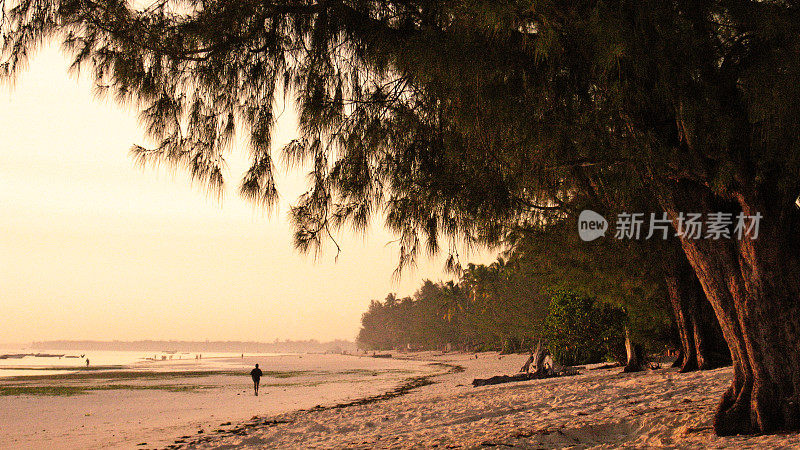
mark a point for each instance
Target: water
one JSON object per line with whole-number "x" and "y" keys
{"x": 73, "y": 360}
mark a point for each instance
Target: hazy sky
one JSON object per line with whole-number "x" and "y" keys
{"x": 92, "y": 247}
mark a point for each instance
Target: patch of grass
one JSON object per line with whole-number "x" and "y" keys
{"x": 153, "y": 375}
{"x": 288, "y": 374}
{"x": 451, "y": 368}
{"x": 67, "y": 391}
{"x": 359, "y": 372}
{"x": 372, "y": 372}
{"x": 124, "y": 374}
{"x": 156, "y": 387}
{"x": 59, "y": 391}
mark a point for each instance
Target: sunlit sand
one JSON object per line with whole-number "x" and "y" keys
{"x": 333, "y": 401}
{"x": 158, "y": 402}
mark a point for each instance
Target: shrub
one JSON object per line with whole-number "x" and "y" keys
{"x": 581, "y": 330}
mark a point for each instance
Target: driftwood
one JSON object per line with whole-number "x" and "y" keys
{"x": 606, "y": 366}
{"x": 503, "y": 379}
{"x": 537, "y": 360}
{"x": 539, "y": 365}
{"x": 563, "y": 372}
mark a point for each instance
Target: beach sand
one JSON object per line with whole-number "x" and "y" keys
{"x": 305, "y": 406}
{"x": 597, "y": 409}
{"x": 155, "y": 403}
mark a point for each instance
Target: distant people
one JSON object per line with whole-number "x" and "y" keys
{"x": 87, "y": 362}
{"x": 256, "y": 375}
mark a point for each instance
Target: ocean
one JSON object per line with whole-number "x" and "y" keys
{"x": 16, "y": 362}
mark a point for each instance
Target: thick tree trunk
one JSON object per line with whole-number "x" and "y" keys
{"x": 703, "y": 346}
{"x": 761, "y": 323}
{"x": 754, "y": 288}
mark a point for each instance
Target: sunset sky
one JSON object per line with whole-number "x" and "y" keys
{"x": 92, "y": 247}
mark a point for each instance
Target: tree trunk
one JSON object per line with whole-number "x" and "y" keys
{"x": 702, "y": 344}
{"x": 679, "y": 361}
{"x": 754, "y": 288}
{"x": 635, "y": 354}
{"x": 687, "y": 360}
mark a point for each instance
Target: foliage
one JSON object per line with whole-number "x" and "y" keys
{"x": 492, "y": 308}
{"x": 421, "y": 323}
{"x": 624, "y": 274}
{"x": 506, "y": 305}
{"x": 580, "y": 330}
{"x": 452, "y": 120}
{"x": 503, "y": 306}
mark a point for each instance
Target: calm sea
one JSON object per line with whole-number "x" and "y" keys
{"x": 26, "y": 361}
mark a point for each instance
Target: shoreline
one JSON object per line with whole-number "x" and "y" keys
{"x": 125, "y": 408}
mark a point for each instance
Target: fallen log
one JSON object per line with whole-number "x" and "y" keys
{"x": 500, "y": 379}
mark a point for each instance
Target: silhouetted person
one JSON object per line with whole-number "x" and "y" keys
{"x": 256, "y": 375}
{"x": 87, "y": 362}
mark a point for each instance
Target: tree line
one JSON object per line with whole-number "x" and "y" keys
{"x": 490, "y": 308}
{"x": 577, "y": 298}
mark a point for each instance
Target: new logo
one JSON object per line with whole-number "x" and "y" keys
{"x": 591, "y": 225}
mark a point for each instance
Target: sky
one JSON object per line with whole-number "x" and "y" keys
{"x": 94, "y": 247}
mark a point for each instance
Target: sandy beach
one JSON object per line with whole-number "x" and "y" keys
{"x": 155, "y": 403}
{"x": 340, "y": 401}
{"x": 597, "y": 409}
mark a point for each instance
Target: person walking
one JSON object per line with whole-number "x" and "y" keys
{"x": 256, "y": 374}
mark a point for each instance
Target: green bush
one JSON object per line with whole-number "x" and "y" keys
{"x": 581, "y": 330}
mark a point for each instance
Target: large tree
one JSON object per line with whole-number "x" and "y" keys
{"x": 460, "y": 119}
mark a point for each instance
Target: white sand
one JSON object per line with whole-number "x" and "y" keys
{"x": 146, "y": 410}
{"x": 598, "y": 409}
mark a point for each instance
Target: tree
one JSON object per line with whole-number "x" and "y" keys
{"x": 702, "y": 344}
{"x": 430, "y": 320}
{"x": 507, "y": 306}
{"x": 460, "y": 119}
{"x": 491, "y": 308}
{"x": 579, "y": 330}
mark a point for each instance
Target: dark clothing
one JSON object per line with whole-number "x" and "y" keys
{"x": 256, "y": 374}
